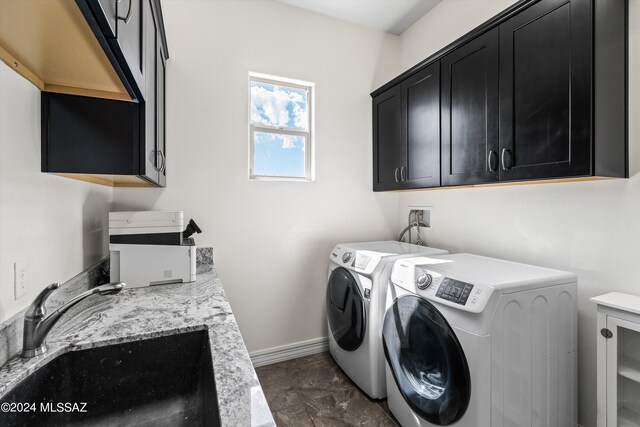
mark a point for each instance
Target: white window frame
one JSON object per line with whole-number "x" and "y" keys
{"x": 309, "y": 149}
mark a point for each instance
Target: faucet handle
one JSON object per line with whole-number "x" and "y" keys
{"x": 36, "y": 310}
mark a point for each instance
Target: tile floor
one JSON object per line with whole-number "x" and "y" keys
{"x": 313, "y": 391}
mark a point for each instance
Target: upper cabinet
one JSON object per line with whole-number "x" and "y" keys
{"x": 101, "y": 67}
{"x": 421, "y": 128}
{"x": 545, "y": 108}
{"x": 388, "y": 150}
{"x": 406, "y": 133}
{"x": 538, "y": 92}
{"x": 470, "y": 111}
{"x": 110, "y": 142}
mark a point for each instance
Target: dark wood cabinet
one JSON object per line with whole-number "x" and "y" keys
{"x": 129, "y": 41}
{"x": 407, "y": 133}
{"x": 545, "y": 87}
{"x": 470, "y": 111}
{"x": 537, "y": 92}
{"x": 117, "y": 143}
{"x": 421, "y": 129}
{"x": 151, "y": 159}
{"x": 388, "y": 153}
{"x": 160, "y": 112}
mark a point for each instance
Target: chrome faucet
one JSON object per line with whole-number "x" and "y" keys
{"x": 37, "y": 326}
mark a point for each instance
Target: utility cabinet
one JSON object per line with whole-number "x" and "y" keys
{"x": 406, "y": 133}
{"x": 114, "y": 142}
{"x": 537, "y": 92}
{"x": 618, "y": 336}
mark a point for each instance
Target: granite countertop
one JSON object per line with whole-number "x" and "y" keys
{"x": 137, "y": 314}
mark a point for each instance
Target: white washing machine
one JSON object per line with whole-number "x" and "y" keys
{"x": 480, "y": 342}
{"x": 356, "y": 292}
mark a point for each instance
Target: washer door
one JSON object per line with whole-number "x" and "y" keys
{"x": 345, "y": 309}
{"x": 427, "y": 361}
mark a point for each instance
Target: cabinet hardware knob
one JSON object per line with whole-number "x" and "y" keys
{"x": 395, "y": 174}
{"x": 127, "y": 18}
{"x": 403, "y": 173}
{"x": 606, "y": 333}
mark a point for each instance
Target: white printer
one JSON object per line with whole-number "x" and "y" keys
{"x": 151, "y": 248}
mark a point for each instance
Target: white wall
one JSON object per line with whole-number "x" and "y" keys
{"x": 271, "y": 239}
{"x": 57, "y": 225}
{"x": 591, "y": 228}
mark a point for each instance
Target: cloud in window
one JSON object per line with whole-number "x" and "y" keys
{"x": 279, "y": 106}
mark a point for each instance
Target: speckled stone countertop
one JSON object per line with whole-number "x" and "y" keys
{"x": 137, "y": 314}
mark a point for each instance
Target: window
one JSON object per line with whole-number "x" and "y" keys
{"x": 280, "y": 126}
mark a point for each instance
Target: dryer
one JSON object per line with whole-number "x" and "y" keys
{"x": 478, "y": 342}
{"x": 356, "y": 288}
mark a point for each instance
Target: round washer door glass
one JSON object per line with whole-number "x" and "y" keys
{"x": 345, "y": 309}
{"x": 427, "y": 360}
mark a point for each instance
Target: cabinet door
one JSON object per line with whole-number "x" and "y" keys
{"x": 388, "y": 150}
{"x": 130, "y": 37}
{"x": 150, "y": 158}
{"x": 421, "y": 129}
{"x": 623, "y": 372}
{"x": 470, "y": 108}
{"x": 545, "y": 84}
{"x": 160, "y": 113}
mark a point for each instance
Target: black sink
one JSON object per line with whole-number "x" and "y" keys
{"x": 166, "y": 381}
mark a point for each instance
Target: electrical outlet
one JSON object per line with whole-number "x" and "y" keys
{"x": 424, "y": 212}
{"x": 19, "y": 279}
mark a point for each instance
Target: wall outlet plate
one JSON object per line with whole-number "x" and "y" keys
{"x": 427, "y": 215}
{"x": 19, "y": 279}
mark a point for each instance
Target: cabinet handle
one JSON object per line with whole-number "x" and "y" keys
{"x": 161, "y": 161}
{"x": 127, "y": 18}
{"x": 504, "y": 166}
{"x": 158, "y": 160}
{"x": 395, "y": 174}
{"x": 490, "y": 160}
{"x": 163, "y": 168}
{"x": 403, "y": 173}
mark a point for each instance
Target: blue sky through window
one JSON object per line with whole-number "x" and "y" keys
{"x": 280, "y": 106}
{"x": 278, "y": 155}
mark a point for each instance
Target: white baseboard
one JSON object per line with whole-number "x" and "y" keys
{"x": 289, "y": 351}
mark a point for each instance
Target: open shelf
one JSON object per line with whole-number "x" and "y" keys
{"x": 629, "y": 368}
{"x": 628, "y": 418}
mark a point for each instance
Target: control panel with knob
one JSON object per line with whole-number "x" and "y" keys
{"x": 423, "y": 281}
{"x": 346, "y": 257}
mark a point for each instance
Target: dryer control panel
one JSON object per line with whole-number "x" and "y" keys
{"x": 364, "y": 262}
{"x": 454, "y": 291}
{"x": 421, "y": 276}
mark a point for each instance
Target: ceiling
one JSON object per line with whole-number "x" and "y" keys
{"x": 391, "y": 16}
